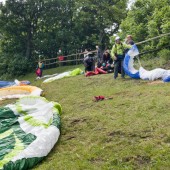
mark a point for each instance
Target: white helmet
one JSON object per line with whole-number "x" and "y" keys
{"x": 117, "y": 38}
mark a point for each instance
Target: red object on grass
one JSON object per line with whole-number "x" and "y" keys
{"x": 97, "y": 98}
{"x": 90, "y": 73}
{"x": 100, "y": 71}
{"x": 97, "y": 71}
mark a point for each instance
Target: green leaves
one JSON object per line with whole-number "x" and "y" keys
{"x": 147, "y": 19}
{"x": 39, "y": 27}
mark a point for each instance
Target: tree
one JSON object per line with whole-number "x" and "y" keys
{"x": 146, "y": 19}
{"x": 93, "y": 17}
{"x": 41, "y": 27}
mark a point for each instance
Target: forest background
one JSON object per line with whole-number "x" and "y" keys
{"x": 33, "y": 28}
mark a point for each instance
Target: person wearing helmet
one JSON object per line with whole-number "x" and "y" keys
{"x": 118, "y": 53}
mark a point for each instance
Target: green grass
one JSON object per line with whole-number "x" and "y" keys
{"x": 131, "y": 131}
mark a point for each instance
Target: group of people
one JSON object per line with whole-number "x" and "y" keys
{"x": 106, "y": 62}
{"x": 109, "y": 62}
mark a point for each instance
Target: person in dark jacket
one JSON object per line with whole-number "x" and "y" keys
{"x": 107, "y": 62}
{"x": 89, "y": 62}
{"x": 107, "y": 58}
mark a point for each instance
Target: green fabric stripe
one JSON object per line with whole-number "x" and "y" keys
{"x": 19, "y": 146}
{"x": 26, "y": 138}
{"x": 34, "y": 122}
{"x": 6, "y": 112}
{"x": 22, "y": 164}
{"x": 6, "y": 134}
{"x": 57, "y": 107}
{"x": 20, "y": 110}
{"x": 6, "y": 145}
{"x": 7, "y": 119}
{"x": 56, "y": 120}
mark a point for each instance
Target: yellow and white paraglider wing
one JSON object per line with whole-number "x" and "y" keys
{"x": 19, "y": 91}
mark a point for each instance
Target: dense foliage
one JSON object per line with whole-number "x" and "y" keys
{"x": 147, "y": 19}
{"x": 30, "y": 28}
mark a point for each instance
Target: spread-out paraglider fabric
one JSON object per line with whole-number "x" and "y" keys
{"x": 152, "y": 75}
{"x": 19, "y": 91}
{"x": 29, "y": 130}
{"x": 13, "y": 83}
{"x": 75, "y": 72}
{"x": 157, "y": 73}
{"x": 47, "y": 76}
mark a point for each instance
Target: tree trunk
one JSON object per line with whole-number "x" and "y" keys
{"x": 29, "y": 45}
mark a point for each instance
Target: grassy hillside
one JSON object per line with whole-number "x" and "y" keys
{"x": 131, "y": 131}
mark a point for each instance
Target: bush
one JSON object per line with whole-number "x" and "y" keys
{"x": 14, "y": 66}
{"x": 164, "y": 54}
{"x": 19, "y": 65}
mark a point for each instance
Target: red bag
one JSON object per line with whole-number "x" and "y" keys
{"x": 38, "y": 72}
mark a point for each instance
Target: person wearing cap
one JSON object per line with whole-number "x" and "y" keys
{"x": 118, "y": 53}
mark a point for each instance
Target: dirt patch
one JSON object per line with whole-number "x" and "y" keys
{"x": 117, "y": 133}
{"x": 70, "y": 137}
{"x": 129, "y": 135}
{"x": 76, "y": 121}
{"x": 138, "y": 160}
{"x": 96, "y": 160}
{"x": 155, "y": 82}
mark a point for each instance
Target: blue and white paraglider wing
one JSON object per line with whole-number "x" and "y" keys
{"x": 128, "y": 64}
{"x": 155, "y": 74}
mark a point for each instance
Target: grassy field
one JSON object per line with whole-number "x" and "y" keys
{"x": 130, "y": 131}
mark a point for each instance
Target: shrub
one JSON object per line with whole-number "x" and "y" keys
{"x": 19, "y": 66}
{"x": 15, "y": 65}
{"x": 164, "y": 54}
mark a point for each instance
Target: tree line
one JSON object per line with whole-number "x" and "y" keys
{"x": 33, "y": 28}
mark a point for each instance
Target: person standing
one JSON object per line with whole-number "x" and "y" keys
{"x": 118, "y": 53}
{"x": 129, "y": 40}
{"x": 85, "y": 52}
{"x": 39, "y": 69}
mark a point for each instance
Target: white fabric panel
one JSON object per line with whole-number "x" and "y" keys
{"x": 153, "y": 74}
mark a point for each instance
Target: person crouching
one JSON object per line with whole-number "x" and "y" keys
{"x": 89, "y": 62}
